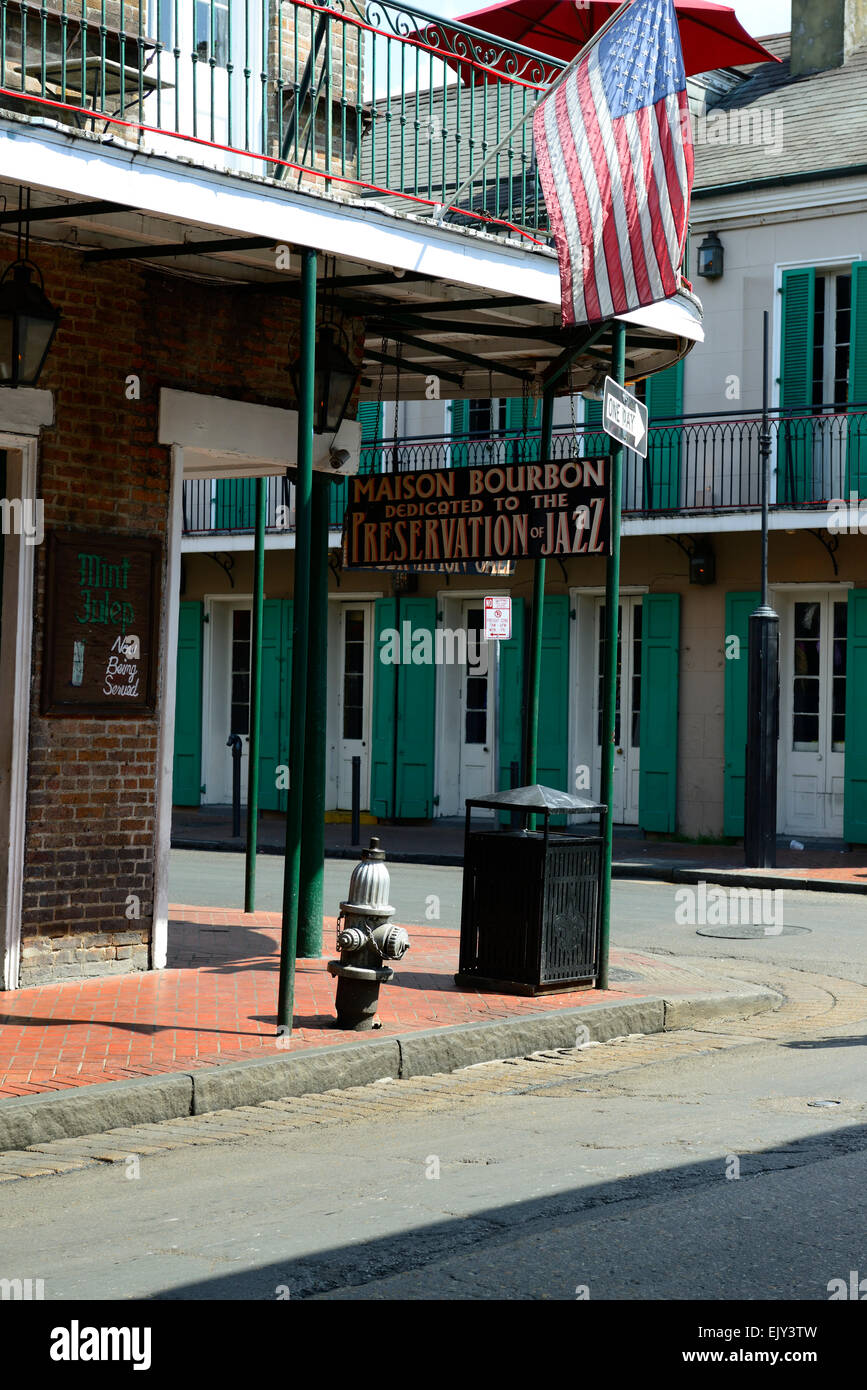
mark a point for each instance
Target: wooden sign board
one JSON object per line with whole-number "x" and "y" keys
{"x": 441, "y": 516}
{"x": 102, "y": 597}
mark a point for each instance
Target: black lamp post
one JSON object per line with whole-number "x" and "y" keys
{"x": 28, "y": 323}
{"x": 334, "y": 380}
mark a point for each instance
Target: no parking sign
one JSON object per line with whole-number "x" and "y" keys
{"x": 498, "y": 619}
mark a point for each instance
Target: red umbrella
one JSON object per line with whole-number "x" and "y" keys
{"x": 711, "y": 35}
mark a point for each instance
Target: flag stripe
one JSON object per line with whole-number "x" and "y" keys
{"x": 616, "y": 163}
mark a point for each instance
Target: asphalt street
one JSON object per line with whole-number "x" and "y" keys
{"x": 833, "y": 926}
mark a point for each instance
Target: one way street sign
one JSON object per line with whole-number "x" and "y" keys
{"x": 624, "y": 418}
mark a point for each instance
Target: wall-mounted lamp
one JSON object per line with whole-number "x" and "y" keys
{"x": 711, "y": 257}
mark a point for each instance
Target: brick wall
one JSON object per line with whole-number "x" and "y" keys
{"x": 92, "y": 783}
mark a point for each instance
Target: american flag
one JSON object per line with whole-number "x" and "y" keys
{"x": 615, "y": 158}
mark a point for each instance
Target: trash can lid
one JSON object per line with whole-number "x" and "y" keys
{"x": 537, "y": 798}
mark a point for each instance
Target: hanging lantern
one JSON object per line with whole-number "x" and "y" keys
{"x": 28, "y": 323}
{"x": 711, "y": 257}
{"x": 335, "y": 377}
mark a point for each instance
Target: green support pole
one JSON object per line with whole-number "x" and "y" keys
{"x": 255, "y": 697}
{"x": 313, "y": 843}
{"x": 298, "y": 715}
{"x": 534, "y": 665}
{"x": 609, "y": 680}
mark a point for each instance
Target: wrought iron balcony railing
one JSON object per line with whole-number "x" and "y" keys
{"x": 376, "y": 100}
{"x": 693, "y": 465}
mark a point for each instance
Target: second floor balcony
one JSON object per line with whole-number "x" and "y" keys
{"x": 694, "y": 467}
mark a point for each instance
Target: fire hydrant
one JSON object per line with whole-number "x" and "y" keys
{"x": 366, "y": 940}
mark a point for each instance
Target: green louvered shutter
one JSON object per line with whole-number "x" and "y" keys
{"x": 460, "y": 425}
{"x": 235, "y": 504}
{"x": 382, "y": 724}
{"x": 795, "y": 444}
{"x": 510, "y": 707}
{"x": 553, "y": 748}
{"x": 277, "y": 616}
{"x": 187, "y": 768}
{"x": 660, "y": 670}
{"x": 370, "y": 418}
{"x": 856, "y": 443}
{"x": 738, "y": 610}
{"x": 416, "y": 717}
{"x": 595, "y": 444}
{"x": 855, "y": 786}
{"x": 662, "y": 465}
{"x": 523, "y": 423}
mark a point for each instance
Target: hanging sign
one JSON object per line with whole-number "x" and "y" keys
{"x": 102, "y": 625}
{"x": 448, "y": 515}
{"x": 498, "y": 619}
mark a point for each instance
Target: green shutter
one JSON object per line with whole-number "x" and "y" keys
{"x": 382, "y": 724}
{"x": 413, "y": 737}
{"x": 416, "y": 716}
{"x": 187, "y": 769}
{"x": 662, "y": 465}
{"x": 660, "y": 669}
{"x": 553, "y": 748}
{"x": 510, "y": 703}
{"x": 370, "y": 415}
{"x": 235, "y": 504}
{"x": 738, "y": 610}
{"x": 277, "y": 616}
{"x": 523, "y": 422}
{"x": 856, "y": 443}
{"x": 855, "y": 786}
{"x": 460, "y": 425}
{"x": 595, "y": 444}
{"x": 795, "y": 445}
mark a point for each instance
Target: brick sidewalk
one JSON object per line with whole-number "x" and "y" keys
{"x": 216, "y": 1003}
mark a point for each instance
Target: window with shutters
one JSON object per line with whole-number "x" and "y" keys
{"x": 832, "y": 325}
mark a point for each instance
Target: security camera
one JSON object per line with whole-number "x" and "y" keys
{"x": 339, "y": 458}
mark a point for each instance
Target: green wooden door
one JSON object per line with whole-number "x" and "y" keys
{"x": 416, "y": 717}
{"x": 404, "y": 695}
{"x": 662, "y": 465}
{"x": 277, "y": 617}
{"x": 856, "y": 441}
{"x": 795, "y": 444}
{"x": 553, "y": 747}
{"x": 736, "y": 638}
{"x": 855, "y": 784}
{"x": 187, "y": 765}
{"x": 235, "y": 504}
{"x": 660, "y": 681}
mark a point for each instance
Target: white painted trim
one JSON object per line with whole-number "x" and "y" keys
{"x": 785, "y": 201}
{"x": 18, "y": 598}
{"x": 725, "y": 521}
{"x": 274, "y": 540}
{"x": 241, "y": 439}
{"x": 25, "y": 411}
{"x": 809, "y": 586}
{"x": 71, "y": 164}
{"x": 166, "y": 737}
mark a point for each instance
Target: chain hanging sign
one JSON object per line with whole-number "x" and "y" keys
{"x": 443, "y": 516}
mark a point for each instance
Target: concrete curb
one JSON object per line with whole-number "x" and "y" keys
{"x": 656, "y": 871}
{"x": 71, "y": 1113}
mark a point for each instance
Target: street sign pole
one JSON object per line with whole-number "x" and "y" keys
{"x": 609, "y": 679}
{"x": 301, "y": 628}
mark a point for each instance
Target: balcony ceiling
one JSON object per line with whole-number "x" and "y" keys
{"x": 476, "y": 341}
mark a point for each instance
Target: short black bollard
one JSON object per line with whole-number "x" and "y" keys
{"x": 356, "y": 800}
{"x": 234, "y": 742}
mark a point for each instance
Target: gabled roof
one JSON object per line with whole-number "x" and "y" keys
{"x": 798, "y": 125}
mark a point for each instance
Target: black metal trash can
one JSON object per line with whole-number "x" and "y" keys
{"x": 531, "y": 899}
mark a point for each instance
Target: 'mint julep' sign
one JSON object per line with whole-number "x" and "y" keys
{"x": 531, "y": 510}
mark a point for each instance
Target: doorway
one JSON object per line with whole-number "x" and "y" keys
{"x": 813, "y": 661}
{"x": 627, "y": 731}
{"x": 351, "y": 738}
{"x": 227, "y": 702}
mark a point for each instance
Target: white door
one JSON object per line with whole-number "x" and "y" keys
{"x": 207, "y": 92}
{"x": 627, "y": 733}
{"x": 476, "y": 706}
{"x": 228, "y": 703}
{"x": 813, "y": 714}
{"x": 353, "y": 700}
